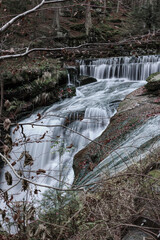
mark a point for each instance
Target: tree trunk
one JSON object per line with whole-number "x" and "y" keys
{"x": 88, "y": 20}
{"x": 2, "y": 93}
{"x": 118, "y": 4}
{"x": 56, "y": 18}
{"x": 104, "y": 7}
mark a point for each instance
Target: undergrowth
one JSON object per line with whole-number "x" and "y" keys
{"x": 110, "y": 210}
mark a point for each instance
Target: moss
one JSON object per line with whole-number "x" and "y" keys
{"x": 155, "y": 173}
{"x": 14, "y": 104}
{"x": 151, "y": 77}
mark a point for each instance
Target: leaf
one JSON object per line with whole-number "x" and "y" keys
{"x": 39, "y": 171}
{"x": 15, "y": 216}
{"x": 7, "y": 104}
{"x": 6, "y": 150}
{"x": 3, "y": 214}
{"x": 14, "y": 163}
{"x": 28, "y": 159}
{"x": 25, "y": 185}
{"x": 5, "y": 196}
{"x": 21, "y": 156}
{"x": 31, "y": 213}
{"x": 43, "y": 136}
{"x": 35, "y": 191}
{"x": 70, "y": 146}
{"x": 16, "y": 129}
{"x": 8, "y": 141}
{"x": 39, "y": 116}
{"x": 19, "y": 173}
{"x": 8, "y": 178}
{"x": 7, "y": 124}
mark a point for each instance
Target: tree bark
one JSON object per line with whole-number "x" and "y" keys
{"x": 88, "y": 19}
{"x": 2, "y": 93}
{"x": 56, "y": 19}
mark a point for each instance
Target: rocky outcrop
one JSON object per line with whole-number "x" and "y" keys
{"x": 137, "y": 108}
{"x": 34, "y": 86}
{"x": 153, "y": 82}
{"x": 86, "y": 80}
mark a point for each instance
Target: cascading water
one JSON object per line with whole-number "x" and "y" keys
{"x": 132, "y": 68}
{"x": 66, "y": 127}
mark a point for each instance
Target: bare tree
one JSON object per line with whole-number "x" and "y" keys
{"x": 56, "y": 18}
{"x": 88, "y": 19}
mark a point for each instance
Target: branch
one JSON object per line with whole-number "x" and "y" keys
{"x": 138, "y": 39}
{"x": 34, "y": 183}
{"x": 63, "y": 126}
{"x": 21, "y": 15}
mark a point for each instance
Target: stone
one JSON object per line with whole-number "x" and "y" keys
{"x": 86, "y": 80}
{"x": 153, "y": 82}
{"x": 137, "y": 235}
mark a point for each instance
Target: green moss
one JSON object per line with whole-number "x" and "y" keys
{"x": 155, "y": 173}
{"x": 152, "y": 77}
{"x": 15, "y": 104}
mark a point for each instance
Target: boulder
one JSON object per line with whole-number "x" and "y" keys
{"x": 153, "y": 82}
{"x": 137, "y": 235}
{"x": 86, "y": 80}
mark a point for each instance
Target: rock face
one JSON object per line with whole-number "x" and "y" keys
{"x": 137, "y": 235}
{"x": 153, "y": 82}
{"x": 137, "y": 108}
{"x": 86, "y": 80}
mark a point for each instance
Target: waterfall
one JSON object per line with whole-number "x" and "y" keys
{"x": 53, "y": 135}
{"x": 132, "y": 68}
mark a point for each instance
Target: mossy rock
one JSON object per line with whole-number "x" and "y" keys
{"x": 86, "y": 80}
{"x": 153, "y": 82}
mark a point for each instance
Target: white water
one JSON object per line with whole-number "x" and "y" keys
{"x": 97, "y": 102}
{"x": 138, "y": 145}
{"x": 133, "y": 68}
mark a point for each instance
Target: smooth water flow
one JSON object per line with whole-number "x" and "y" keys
{"x": 132, "y": 68}
{"x": 64, "y": 128}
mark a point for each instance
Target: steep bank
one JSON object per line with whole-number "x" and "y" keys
{"x": 138, "y": 108}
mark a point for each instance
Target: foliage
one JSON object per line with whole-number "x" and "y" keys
{"x": 105, "y": 213}
{"x": 59, "y": 209}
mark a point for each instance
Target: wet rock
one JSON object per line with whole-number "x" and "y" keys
{"x": 137, "y": 235}
{"x": 86, "y": 80}
{"x": 153, "y": 82}
{"x": 137, "y": 108}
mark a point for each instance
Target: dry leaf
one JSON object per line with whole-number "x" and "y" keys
{"x": 7, "y": 104}
{"x": 25, "y": 185}
{"x": 7, "y": 124}
{"x": 14, "y": 163}
{"x": 16, "y": 129}
{"x": 39, "y": 171}
{"x": 3, "y": 214}
{"x": 8, "y": 178}
{"x": 6, "y": 150}
{"x": 39, "y": 116}
{"x": 6, "y": 196}
{"x": 28, "y": 159}
{"x": 8, "y": 141}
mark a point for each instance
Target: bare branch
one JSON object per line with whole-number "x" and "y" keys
{"x": 34, "y": 183}
{"x": 21, "y": 15}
